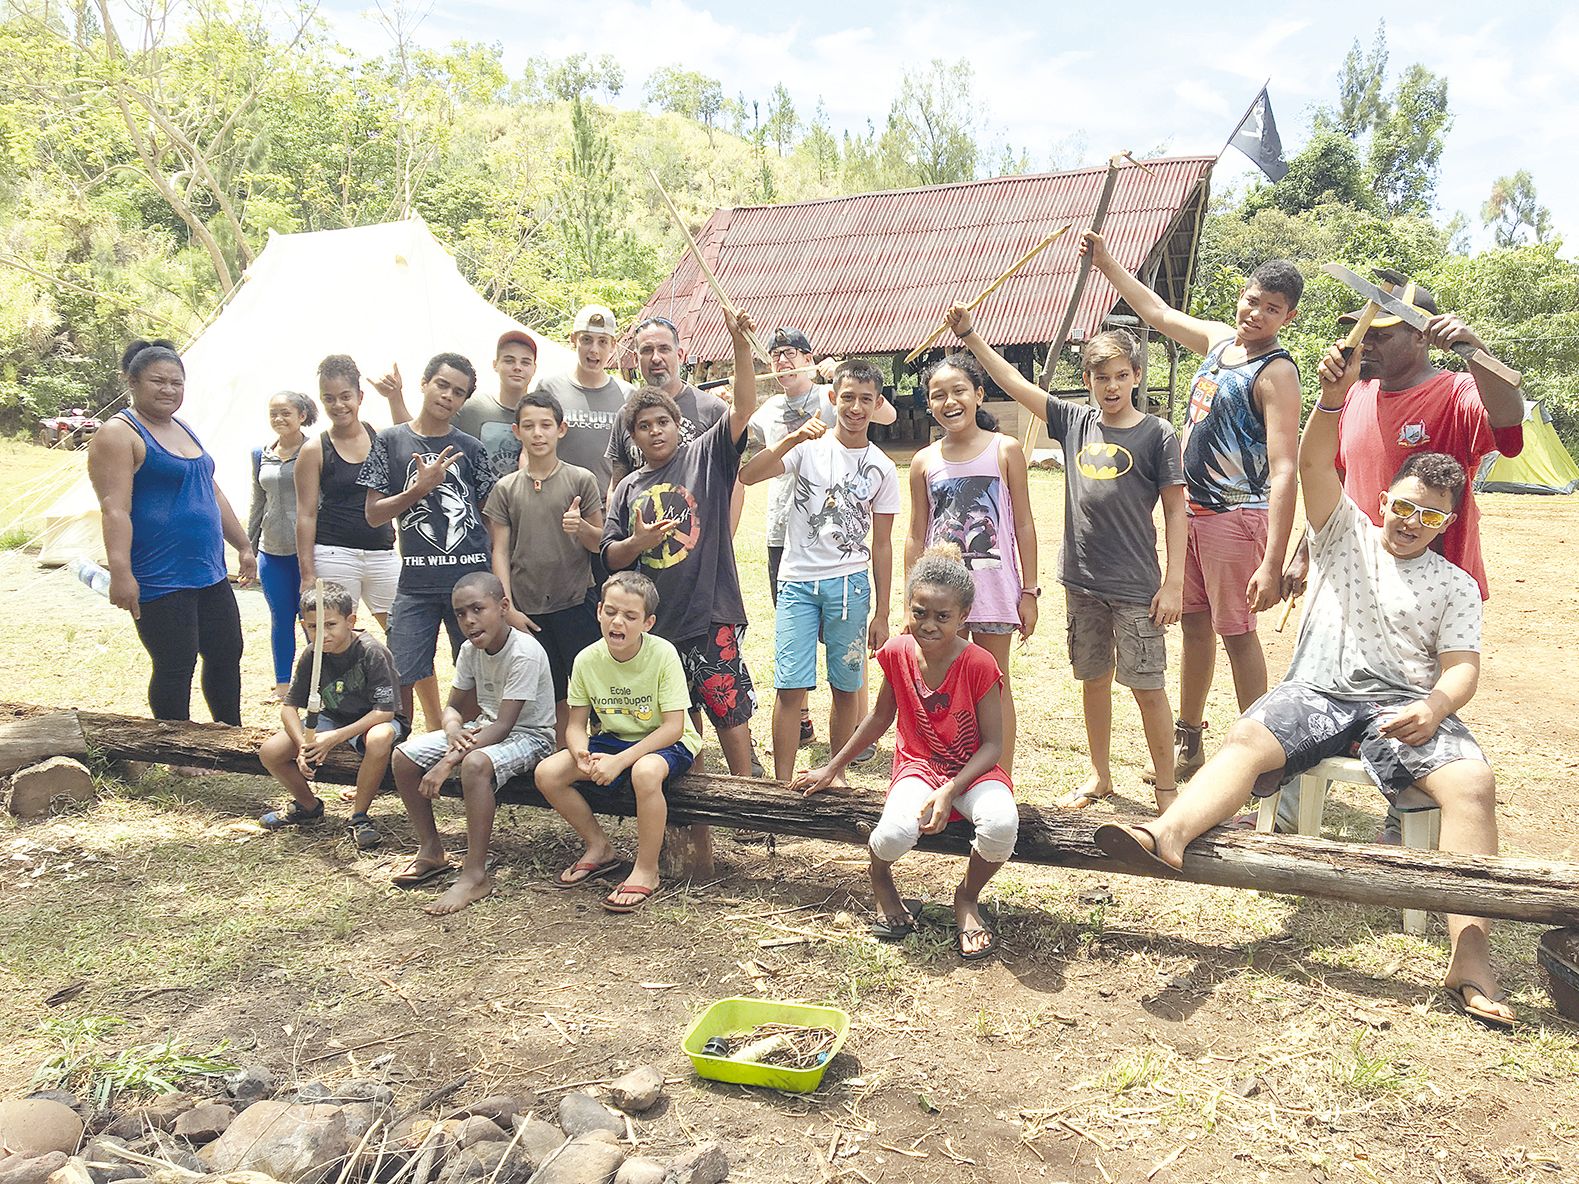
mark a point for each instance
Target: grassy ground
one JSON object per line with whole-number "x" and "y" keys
{"x": 1224, "y": 1034}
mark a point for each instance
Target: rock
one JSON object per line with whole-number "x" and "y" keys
{"x": 476, "y": 1129}
{"x": 32, "y": 1169}
{"x": 592, "y": 1158}
{"x": 204, "y": 1124}
{"x": 33, "y": 1126}
{"x": 1247, "y": 1087}
{"x": 73, "y": 1171}
{"x": 296, "y": 1143}
{"x": 638, "y": 1090}
{"x": 501, "y": 1108}
{"x": 158, "y": 1115}
{"x": 537, "y": 1138}
{"x": 250, "y": 1084}
{"x": 408, "y": 1132}
{"x": 346, "y": 1091}
{"x": 641, "y": 1171}
{"x": 359, "y": 1119}
{"x": 164, "y": 1146}
{"x": 35, "y": 788}
{"x": 706, "y": 1164}
{"x": 84, "y": 1110}
{"x": 104, "y": 1165}
{"x": 580, "y": 1113}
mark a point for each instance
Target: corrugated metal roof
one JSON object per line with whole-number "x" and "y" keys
{"x": 873, "y": 273}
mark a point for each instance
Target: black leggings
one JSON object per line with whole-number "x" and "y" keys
{"x": 178, "y": 627}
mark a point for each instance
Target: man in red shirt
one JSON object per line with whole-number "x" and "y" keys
{"x": 1403, "y": 404}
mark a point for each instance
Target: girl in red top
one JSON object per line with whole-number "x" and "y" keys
{"x": 945, "y": 692}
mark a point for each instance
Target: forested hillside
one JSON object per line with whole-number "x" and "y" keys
{"x": 141, "y": 171}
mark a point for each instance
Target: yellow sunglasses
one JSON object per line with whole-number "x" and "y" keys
{"x": 1431, "y": 519}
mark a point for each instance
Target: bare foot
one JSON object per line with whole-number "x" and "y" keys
{"x": 468, "y": 889}
{"x": 1093, "y": 789}
{"x": 974, "y": 936}
{"x": 1470, "y": 975}
{"x": 623, "y": 898}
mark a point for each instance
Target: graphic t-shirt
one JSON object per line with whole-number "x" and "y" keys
{"x": 359, "y": 679}
{"x": 699, "y": 410}
{"x": 1113, "y": 478}
{"x": 630, "y": 697}
{"x": 969, "y": 505}
{"x": 834, "y": 493}
{"x": 1379, "y": 429}
{"x": 519, "y": 671}
{"x": 591, "y": 414}
{"x": 549, "y": 570}
{"x": 1374, "y": 624}
{"x": 1225, "y": 457}
{"x": 936, "y": 729}
{"x": 694, "y": 569}
{"x": 490, "y": 421}
{"x": 770, "y": 423}
{"x": 442, "y": 536}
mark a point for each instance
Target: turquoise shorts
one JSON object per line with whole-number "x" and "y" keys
{"x": 837, "y": 610}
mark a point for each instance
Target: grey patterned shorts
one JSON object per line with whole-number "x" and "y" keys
{"x": 1312, "y": 726}
{"x": 1100, "y": 628}
{"x": 515, "y": 755}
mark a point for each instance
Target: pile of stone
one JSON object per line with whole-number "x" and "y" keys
{"x": 351, "y": 1131}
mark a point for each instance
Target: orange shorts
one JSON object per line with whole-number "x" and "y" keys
{"x": 1221, "y": 555}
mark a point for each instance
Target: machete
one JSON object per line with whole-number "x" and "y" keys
{"x": 1413, "y": 317}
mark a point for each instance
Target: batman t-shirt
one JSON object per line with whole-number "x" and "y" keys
{"x": 1113, "y": 478}
{"x": 442, "y": 537}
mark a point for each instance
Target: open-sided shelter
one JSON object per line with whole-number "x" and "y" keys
{"x": 872, "y": 274}
{"x": 383, "y": 294}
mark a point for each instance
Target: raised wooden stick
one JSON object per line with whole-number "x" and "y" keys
{"x": 707, "y": 272}
{"x": 991, "y": 288}
{"x": 314, "y": 695}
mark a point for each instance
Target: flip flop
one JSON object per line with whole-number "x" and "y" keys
{"x": 977, "y": 955}
{"x": 1460, "y": 995}
{"x": 889, "y": 929}
{"x": 1080, "y": 798}
{"x": 1120, "y": 843}
{"x": 418, "y": 873}
{"x": 639, "y": 890}
{"x": 589, "y": 870}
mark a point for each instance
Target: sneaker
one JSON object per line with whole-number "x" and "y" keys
{"x": 808, "y": 733}
{"x": 292, "y": 815}
{"x": 1189, "y": 754}
{"x": 866, "y": 755}
{"x": 362, "y": 832}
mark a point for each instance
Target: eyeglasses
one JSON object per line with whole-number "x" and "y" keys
{"x": 784, "y": 353}
{"x": 1404, "y": 508}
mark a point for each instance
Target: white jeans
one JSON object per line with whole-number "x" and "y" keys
{"x": 988, "y": 805}
{"x": 369, "y": 576}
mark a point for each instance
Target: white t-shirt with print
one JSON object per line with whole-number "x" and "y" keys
{"x": 1374, "y": 624}
{"x": 775, "y": 419}
{"x": 518, "y": 671}
{"x": 833, "y": 493}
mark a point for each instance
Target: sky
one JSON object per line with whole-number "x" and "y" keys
{"x": 1071, "y": 84}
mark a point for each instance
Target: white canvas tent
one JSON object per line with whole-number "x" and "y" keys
{"x": 383, "y": 294}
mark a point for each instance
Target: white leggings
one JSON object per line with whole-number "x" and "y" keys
{"x": 989, "y": 805}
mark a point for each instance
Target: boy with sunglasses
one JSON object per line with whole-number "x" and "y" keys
{"x": 1388, "y": 653}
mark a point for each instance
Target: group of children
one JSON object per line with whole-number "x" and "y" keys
{"x": 518, "y": 563}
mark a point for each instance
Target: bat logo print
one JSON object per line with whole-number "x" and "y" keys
{"x": 1102, "y": 461}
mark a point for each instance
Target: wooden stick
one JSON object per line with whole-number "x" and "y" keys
{"x": 707, "y": 272}
{"x": 1288, "y": 609}
{"x": 314, "y": 695}
{"x": 991, "y": 288}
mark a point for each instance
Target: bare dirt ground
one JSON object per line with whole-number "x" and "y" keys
{"x": 1133, "y": 1030}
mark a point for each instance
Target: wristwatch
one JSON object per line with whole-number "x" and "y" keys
{"x": 1036, "y": 591}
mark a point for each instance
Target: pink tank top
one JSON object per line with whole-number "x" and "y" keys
{"x": 969, "y": 505}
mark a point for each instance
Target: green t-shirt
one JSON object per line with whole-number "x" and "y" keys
{"x": 630, "y": 697}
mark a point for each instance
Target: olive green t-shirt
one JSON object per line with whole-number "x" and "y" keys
{"x": 549, "y": 570}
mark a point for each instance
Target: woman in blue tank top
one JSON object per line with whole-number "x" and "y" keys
{"x": 165, "y": 527}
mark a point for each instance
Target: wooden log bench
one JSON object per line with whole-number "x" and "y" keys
{"x": 1513, "y": 889}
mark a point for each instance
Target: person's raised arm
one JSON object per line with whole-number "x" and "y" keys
{"x": 112, "y": 462}
{"x": 1192, "y": 333}
{"x": 1504, "y": 403}
{"x": 308, "y": 478}
{"x": 393, "y": 389}
{"x": 744, "y": 402}
{"x": 1278, "y": 386}
{"x": 1318, "y": 447}
{"x": 1014, "y": 384}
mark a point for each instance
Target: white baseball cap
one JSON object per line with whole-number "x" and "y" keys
{"x": 594, "y": 318}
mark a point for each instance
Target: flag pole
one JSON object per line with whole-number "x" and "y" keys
{"x": 1229, "y": 143}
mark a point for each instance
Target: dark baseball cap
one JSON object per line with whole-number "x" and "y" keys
{"x": 787, "y": 338}
{"x": 518, "y": 336}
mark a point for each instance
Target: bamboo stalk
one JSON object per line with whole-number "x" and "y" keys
{"x": 707, "y": 272}
{"x": 991, "y": 288}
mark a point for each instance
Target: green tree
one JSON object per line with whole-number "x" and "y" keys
{"x": 573, "y": 77}
{"x": 686, "y": 93}
{"x": 782, "y": 122}
{"x": 1327, "y": 170}
{"x": 1513, "y": 214}
{"x": 820, "y": 146}
{"x": 1406, "y": 143}
{"x": 933, "y": 125}
{"x": 587, "y": 197}
{"x": 1362, "y": 80}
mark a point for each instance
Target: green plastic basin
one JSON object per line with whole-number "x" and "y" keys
{"x": 735, "y": 1017}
